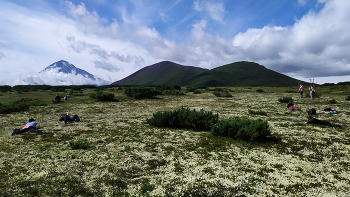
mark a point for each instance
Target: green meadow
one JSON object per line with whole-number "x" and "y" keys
{"x": 114, "y": 152}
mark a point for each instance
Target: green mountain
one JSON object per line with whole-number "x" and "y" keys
{"x": 235, "y": 74}
{"x": 164, "y": 72}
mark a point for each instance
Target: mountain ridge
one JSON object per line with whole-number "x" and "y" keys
{"x": 242, "y": 73}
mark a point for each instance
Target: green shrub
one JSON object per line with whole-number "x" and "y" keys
{"x": 20, "y": 105}
{"x": 184, "y": 118}
{"x": 103, "y": 96}
{"x": 241, "y": 128}
{"x": 190, "y": 89}
{"x": 258, "y": 112}
{"x": 332, "y": 101}
{"x": 222, "y": 94}
{"x": 141, "y": 92}
{"x": 79, "y": 144}
{"x": 173, "y": 92}
{"x": 260, "y": 90}
{"x": 347, "y": 98}
{"x": 197, "y": 91}
{"x": 285, "y": 99}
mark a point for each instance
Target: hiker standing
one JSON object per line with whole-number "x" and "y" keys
{"x": 312, "y": 91}
{"x": 301, "y": 90}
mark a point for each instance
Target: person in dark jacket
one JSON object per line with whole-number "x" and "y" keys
{"x": 312, "y": 120}
{"x": 66, "y": 118}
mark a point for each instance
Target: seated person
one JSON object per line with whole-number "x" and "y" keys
{"x": 30, "y": 126}
{"x": 291, "y": 106}
{"x": 66, "y": 118}
{"x": 57, "y": 98}
{"x": 312, "y": 120}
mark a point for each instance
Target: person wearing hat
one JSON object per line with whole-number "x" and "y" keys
{"x": 30, "y": 126}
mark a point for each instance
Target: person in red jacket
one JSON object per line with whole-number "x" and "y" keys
{"x": 57, "y": 98}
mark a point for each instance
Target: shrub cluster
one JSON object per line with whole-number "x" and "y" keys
{"x": 173, "y": 92}
{"x": 260, "y": 90}
{"x": 258, "y": 112}
{"x": 103, "y": 96}
{"x": 141, "y": 92}
{"x": 22, "y": 104}
{"x": 241, "y": 128}
{"x": 347, "y": 98}
{"x": 184, "y": 118}
{"x": 285, "y": 99}
{"x": 79, "y": 144}
{"x": 222, "y": 94}
{"x": 197, "y": 91}
{"x": 236, "y": 128}
{"x": 163, "y": 87}
{"x": 332, "y": 101}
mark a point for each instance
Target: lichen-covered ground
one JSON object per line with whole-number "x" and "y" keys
{"x": 127, "y": 157}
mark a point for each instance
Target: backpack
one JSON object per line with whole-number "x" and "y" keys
{"x": 312, "y": 111}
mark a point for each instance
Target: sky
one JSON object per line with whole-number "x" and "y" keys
{"x": 111, "y": 39}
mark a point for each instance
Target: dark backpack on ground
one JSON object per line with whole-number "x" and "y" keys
{"x": 312, "y": 111}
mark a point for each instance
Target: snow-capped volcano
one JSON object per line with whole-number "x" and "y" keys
{"x": 63, "y": 66}
{"x": 61, "y": 73}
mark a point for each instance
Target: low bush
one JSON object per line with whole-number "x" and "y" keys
{"x": 258, "y": 112}
{"x": 184, "y": 118}
{"x": 260, "y": 90}
{"x": 332, "y": 101}
{"x": 285, "y": 99}
{"x": 347, "y": 98}
{"x": 103, "y": 96}
{"x": 79, "y": 144}
{"x": 22, "y": 104}
{"x": 197, "y": 91}
{"x": 242, "y": 128}
{"x": 173, "y": 92}
{"x": 222, "y": 94}
{"x": 141, "y": 92}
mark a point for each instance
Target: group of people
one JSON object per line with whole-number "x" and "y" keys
{"x": 31, "y": 125}
{"x": 310, "y": 118}
{"x": 311, "y": 90}
{"x": 57, "y": 97}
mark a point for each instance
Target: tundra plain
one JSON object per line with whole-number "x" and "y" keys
{"x": 127, "y": 157}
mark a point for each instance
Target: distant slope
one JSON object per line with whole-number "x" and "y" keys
{"x": 165, "y": 72}
{"x": 235, "y": 74}
{"x": 242, "y": 74}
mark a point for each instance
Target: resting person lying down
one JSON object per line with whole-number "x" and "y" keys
{"x": 66, "y": 118}
{"x": 312, "y": 120}
{"x": 30, "y": 126}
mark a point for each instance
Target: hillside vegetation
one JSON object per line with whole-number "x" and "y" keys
{"x": 113, "y": 151}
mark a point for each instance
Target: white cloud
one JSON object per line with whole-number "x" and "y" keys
{"x": 316, "y": 45}
{"x": 215, "y": 10}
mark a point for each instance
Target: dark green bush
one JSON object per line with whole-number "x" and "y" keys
{"x": 258, "y": 112}
{"x": 173, "y": 92}
{"x": 141, "y": 92}
{"x": 184, "y": 118}
{"x": 222, "y": 94}
{"x": 197, "y": 91}
{"x": 285, "y": 99}
{"x": 79, "y": 144}
{"x": 260, "y": 90}
{"x": 22, "y": 104}
{"x": 242, "y": 128}
{"x": 103, "y": 96}
{"x": 332, "y": 101}
{"x": 8, "y": 108}
{"x": 347, "y": 98}
{"x": 190, "y": 89}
